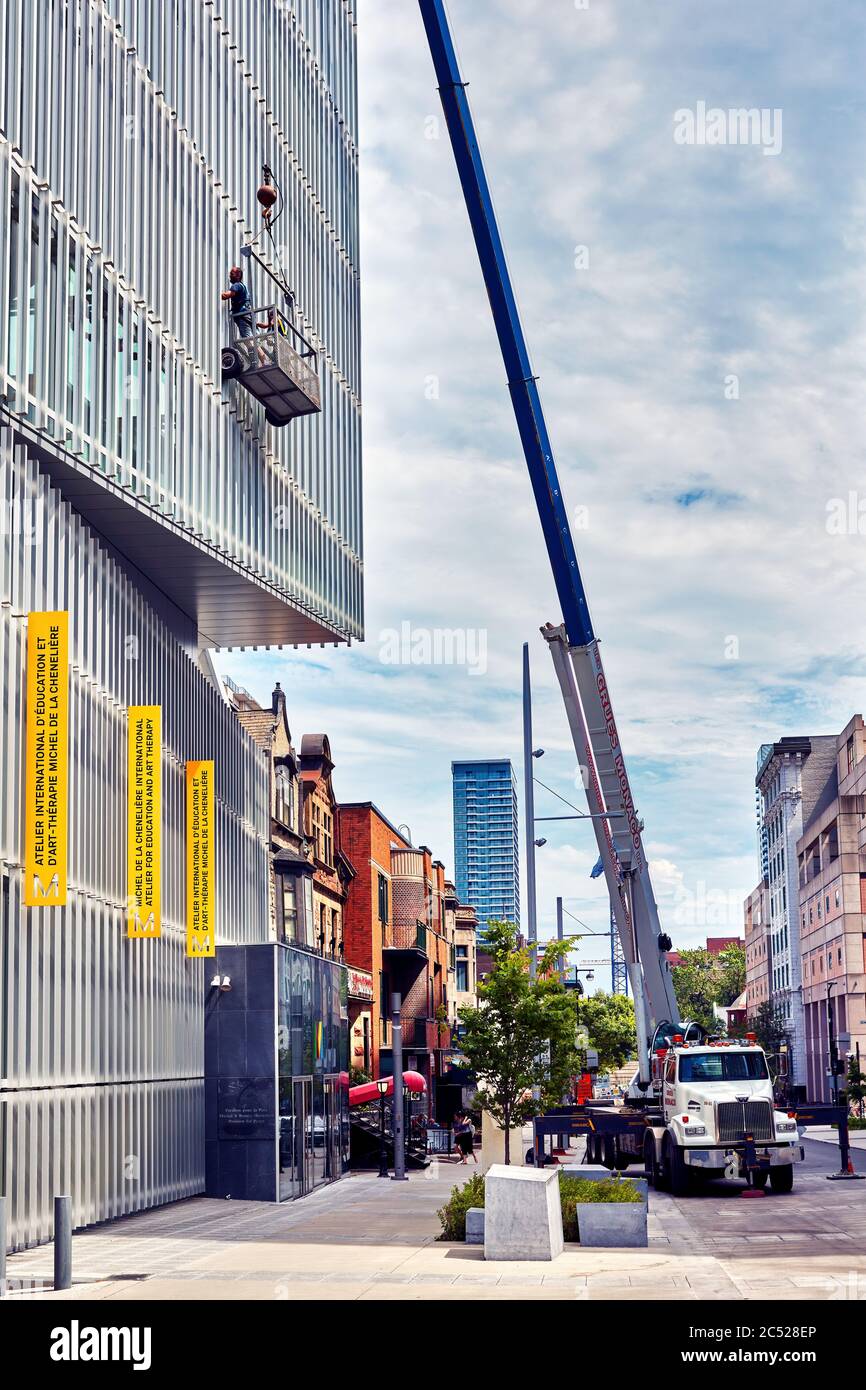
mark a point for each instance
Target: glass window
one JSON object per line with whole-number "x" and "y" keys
{"x": 308, "y": 910}
{"x": 35, "y": 263}
{"x": 290, "y": 908}
{"x": 383, "y": 899}
{"x": 285, "y": 798}
{"x": 13, "y": 325}
{"x": 723, "y": 1066}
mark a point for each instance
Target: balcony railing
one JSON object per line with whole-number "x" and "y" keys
{"x": 407, "y": 936}
{"x": 425, "y": 1033}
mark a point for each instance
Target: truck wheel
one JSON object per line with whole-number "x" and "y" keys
{"x": 609, "y": 1152}
{"x": 676, "y": 1171}
{"x": 231, "y": 363}
{"x": 760, "y": 1176}
{"x": 651, "y": 1164}
{"x": 782, "y": 1178}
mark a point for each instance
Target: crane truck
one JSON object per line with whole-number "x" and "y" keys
{"x": 696, "y": 1106}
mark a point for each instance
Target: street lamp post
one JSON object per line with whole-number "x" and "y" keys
{"x": 382, "y": 1087}
{"x": 529, "y": 811}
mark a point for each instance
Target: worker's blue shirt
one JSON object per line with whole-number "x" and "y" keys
{"x": 240, "y": 298}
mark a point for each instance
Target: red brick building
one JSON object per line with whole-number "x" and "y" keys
{"x": 396, "y": 929}
{"x": 756, "y": 915}
{"x": 332, "y": 873}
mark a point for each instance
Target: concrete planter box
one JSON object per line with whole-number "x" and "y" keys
{"x": 596, "y": 1173}
{"x": 522, "y": 1214}
{"x": 475, "y": 1226}
{"x": 612, "y": 1223}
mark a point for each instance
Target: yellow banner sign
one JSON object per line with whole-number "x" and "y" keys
{"x": 47, "y": 760}
{"x": 144, "y": 821}
{"x": 200, "y": 922}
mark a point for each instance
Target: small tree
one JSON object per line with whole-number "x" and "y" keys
{"x": 521, "y": 1037}
{"x": 731, "y": 969}
{"x": 696, "y": 985}
{"x": 769, "y": 1026}
{"x": 609, "y": 1021}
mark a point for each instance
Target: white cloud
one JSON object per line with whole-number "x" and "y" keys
{"x": 703, "y": 262}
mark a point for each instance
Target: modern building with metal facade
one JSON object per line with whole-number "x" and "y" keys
{"x": 155, "y": 505}
{"x": 486, "y": 850}
{"x": 132, "y": 140}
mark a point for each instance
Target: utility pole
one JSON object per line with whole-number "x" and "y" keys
{"x": 529, "y": 813}
{"x": 560, "y": 960}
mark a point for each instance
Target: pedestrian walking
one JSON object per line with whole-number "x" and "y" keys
{"x": 464, "y": 1136}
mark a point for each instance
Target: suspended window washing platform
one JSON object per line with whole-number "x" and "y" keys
{"x": 274, "y": 362}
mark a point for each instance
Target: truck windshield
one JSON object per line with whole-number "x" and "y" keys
{"x": 724, "y": 1066}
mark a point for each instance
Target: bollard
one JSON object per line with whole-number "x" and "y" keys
{"x": 62, "y": 1243}
{"x": 2, "y": 1246}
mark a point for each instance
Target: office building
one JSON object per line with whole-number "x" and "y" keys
{"x": 486, "y": 852}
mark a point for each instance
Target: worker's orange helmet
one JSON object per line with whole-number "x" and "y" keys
{"x": 236, "y": 273}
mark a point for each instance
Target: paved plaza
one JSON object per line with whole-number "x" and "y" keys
{"x": 368, "y": 1238}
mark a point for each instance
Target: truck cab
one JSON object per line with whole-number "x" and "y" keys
{"x": 718, "y": 1119}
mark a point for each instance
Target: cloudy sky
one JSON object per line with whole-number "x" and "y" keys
{"x": 695, "y": 313}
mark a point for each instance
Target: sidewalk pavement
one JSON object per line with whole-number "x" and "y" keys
{"x": 367, "y": 1238}
{"x": 827, "y": 1134}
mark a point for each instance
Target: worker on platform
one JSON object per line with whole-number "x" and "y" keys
{"x": 241, "y": 304}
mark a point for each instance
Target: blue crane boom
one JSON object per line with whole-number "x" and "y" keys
{"x": 573, "y": 645}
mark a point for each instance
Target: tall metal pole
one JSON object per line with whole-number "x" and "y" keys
{"x": 560, "y": 933}
{"x": 2, "y": 1247}
{"x": 529, "y": 813}
{"x": 399, "y": 1130}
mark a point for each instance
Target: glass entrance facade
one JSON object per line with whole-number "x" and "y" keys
{"x": 313, "y": 1051}
{"x": 276, "y": 1073}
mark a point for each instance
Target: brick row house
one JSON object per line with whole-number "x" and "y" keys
{"x": 310, "y": 876}
{"x": 758, "y": 966}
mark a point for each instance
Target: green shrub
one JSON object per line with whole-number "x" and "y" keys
{"x": 856, "y": 1124}
{"x": 453, "y": 1214}
{"x": 572, "y": 1192}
